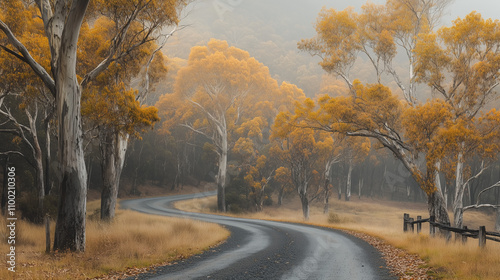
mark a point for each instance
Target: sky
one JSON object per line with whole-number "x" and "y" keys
{"x": 308, "y": 10}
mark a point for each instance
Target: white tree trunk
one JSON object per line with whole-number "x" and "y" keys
{"x": 70, "y": 225}
{"x": 222, "y": 173}
{"x": 113, "y": 150}
{"x": 459, "y": 193}
{"x": 349, "y": 181}
{"x": 326, "y": 186}
{"x": 40, "y": 181}
{"x": 48, "y": 158}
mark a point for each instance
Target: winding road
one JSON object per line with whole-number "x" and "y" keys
{"x": 259, "y": 249}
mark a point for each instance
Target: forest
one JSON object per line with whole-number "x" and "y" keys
{"x": 378, "y": 103}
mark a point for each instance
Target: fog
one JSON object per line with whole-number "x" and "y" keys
{"x": 270, "y": 30}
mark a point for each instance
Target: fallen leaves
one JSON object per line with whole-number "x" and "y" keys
{"x": 399, "y": 262}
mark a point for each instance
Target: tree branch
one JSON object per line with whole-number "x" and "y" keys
{"x": 37, "y": 68}
{"x": 12, "y": 153}
{"x": 477, "y": 206}
{"x": 115, "y": 46}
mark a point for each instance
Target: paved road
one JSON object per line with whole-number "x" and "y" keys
{"x": 267, "y": 250}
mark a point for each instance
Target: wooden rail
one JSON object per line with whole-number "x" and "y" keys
{"x": 481, "y": 234}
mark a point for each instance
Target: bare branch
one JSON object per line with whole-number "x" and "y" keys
{"x": 142, "y": 96}
{"x": 215, "y": 120}
{"x": 12, "y": 153}
{"x": 483, "y": 168}
{"x": 477, "y": 206}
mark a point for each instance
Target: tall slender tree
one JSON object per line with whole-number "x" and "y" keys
{"x": 219, "y": 90}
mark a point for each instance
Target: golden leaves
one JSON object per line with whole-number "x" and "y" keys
{"x": 115, "y": 108}
{"x": 461, "y": 62}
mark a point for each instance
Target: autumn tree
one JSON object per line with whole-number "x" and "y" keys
{"x": 257, "y": 169}
{"x": 304, "y": 152}
{"x": 20, "y": 90}
{"x": 112, "y": 108}
{"x": 117, "y": 114}
{"x": 336, "y": 42}
{"x": 62, "y": 22}
{"x": 461, "y": 64}
{"x": 283, "y": 177}
{"x": 375, "y": 113}
{"x": 221, "y": 89}
{"x": 341, "y": 36}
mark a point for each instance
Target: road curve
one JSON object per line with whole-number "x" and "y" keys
{"x": 260, "y": 249}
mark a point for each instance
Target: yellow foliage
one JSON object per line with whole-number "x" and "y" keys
{"x": 115, "y": 108}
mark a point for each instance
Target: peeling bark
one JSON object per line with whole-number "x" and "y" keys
{"x": 113, "y": 150}
{"x": 459, "y": 194}
{"x": 70, "y": 225}
{"x": 437, "y": 209}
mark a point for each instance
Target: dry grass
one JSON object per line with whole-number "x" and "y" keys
{"x": 384, "y": 219}
{"x": 132, "y": 240}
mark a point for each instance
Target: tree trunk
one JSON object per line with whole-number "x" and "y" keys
{"x": 349, "y": 182}
{"x": 436, "y": 207}
{"x": 280, "y": 195}
{"x": 70, "y": 225}
{"x": 48, "y": 158}
{"x": 340, "y": 188}
{"x": 135, "y": 190}
{"x": 497, "y": 223}
{"x": 40, "y": 181}
{"x": 327, "y": 185}
{"x": 39, "y": 172}
{"x": 305, "y": 203}
{"x": 327, "y": 196}
{"x": 113, "y": 150}
{"x": 221, "y": 176}
{"x": 221, "y": 198}
{"x": 459, "y": 194}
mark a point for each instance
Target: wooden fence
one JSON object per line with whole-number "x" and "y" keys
{"x": 481, "y": 234}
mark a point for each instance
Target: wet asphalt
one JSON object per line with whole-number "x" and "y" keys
{"x": 260, "y": 249}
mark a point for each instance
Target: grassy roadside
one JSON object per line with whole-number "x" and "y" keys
{"x": 383, "y": 219}
{"x": 133, "y": 242}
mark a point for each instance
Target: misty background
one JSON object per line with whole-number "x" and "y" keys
{"x": 270, "y": 30}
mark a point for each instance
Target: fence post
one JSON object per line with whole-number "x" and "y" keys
{"x": 405, "y": 224}
{"x": 419, "y": 225}
{"x": 464, "y": 237}
{"x": 412, "y": 225}
{"x": 482, "y": 236}
{"x": 432, "y": 230}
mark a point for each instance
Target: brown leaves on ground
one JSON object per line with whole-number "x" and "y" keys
{"x": 399, "y": 262}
